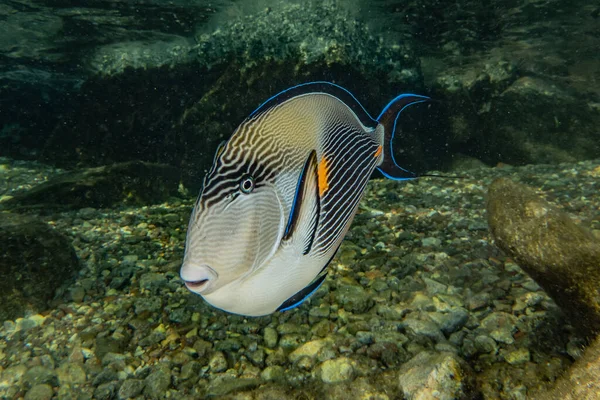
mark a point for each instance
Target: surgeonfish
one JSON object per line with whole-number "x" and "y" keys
{"x": 281, "y": 195}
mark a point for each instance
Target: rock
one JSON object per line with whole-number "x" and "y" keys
{"x": 560, "y": 256}
{"x": 485, "y": 344}
{"x": 106, "y": 391}
{"x": 309, "y": 349}
{"x": 133, "y": 182}
{"x": 500, "y": 326}
{"x": 219, "y": 388}
{"x": 336, "y": 370}
{"x": 353, "y": 298}
{"x": 110, "y": 344}
{"x": 441, "y": 376}
{"x": 270, "y": 336}
{"x": 71, "y": 374}
{"x": 424, "y": 328}
{"x": 273, "y": 373}
{"x": 156, "y": 384}
{"x": 518, "y": 356}
{"x": 39, "y": 392}
{"x": 580, "y": 381}
{"x": 130, "y": 388}
{"x": 39, "y": 375}
{"x": 35, "y": 261}
{"x": 218, "y": 362}
{"x": 451, "y": 321}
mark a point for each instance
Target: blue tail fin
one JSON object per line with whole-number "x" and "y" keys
{"x": 388, "y": 118}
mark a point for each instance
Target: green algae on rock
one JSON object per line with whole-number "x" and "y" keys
{"x": 562, "y": 257}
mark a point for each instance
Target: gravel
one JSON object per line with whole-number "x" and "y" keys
{"x": 417, "y": 287}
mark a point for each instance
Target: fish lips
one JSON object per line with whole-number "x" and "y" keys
{"x": 198, "y": 278}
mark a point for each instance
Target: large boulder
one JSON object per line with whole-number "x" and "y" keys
{"x": 133, "y": 182}
{"x": 562, "y": 257}
{"x": 580, "y": 381}
{"x": 35, "y": 261}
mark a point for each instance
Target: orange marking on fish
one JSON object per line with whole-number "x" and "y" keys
{"x": 378, "y": 152}
{"x": 322, "y": 174}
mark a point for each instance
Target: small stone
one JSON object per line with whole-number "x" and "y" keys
{"x": 273, "y": 373}
{"x": 220, "y": 388}
{"x": 130, "y": 388}
{"x": 153, "y": 281}
{"x": 440, "y": 376}
{"x": 431, "y": 242}
{"x": 39, "y": 392}
{"x": 353, "y": 298}
{"x": 106, "y": 391}
{"x": 500, "y": 326}
{"x": 190, "y": 370}
{"x": 308, "y": 349}
{"x": 39, "y": 375}
{"x": 485, "y": 344}
{"x": 452, "y": 321}
{"x": 230, "y": 344}
{"x": 424, "y": 328}
{"x": 518, "y": 356}
{"x": 218, "y": 362}
{"x": 337, "y": 370}
{"x": 434, "y": 287}
{"x": 156, "y": 384}
{"x": 479, "y": 301}
{"x": 270, "y": 336}
{"x": 71, "y": 374}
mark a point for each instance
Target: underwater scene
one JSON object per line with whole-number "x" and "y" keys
{"x": 260, "y": 200}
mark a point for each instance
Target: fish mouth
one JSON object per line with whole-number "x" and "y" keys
{"x": 197, "y": 286}
{"x": 198, "y": 278}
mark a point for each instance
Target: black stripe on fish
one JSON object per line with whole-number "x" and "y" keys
{"x": 307, "y": 195}
{"x": 318, "y": 87}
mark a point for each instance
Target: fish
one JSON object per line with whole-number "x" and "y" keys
{"x": 281, "y": 195}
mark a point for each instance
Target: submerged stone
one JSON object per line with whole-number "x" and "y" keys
{"x": 562, "y": 257}
{"x": 36, "y": 260}
{"x": 133, "y": 182}
{"x": 442, "y": 376}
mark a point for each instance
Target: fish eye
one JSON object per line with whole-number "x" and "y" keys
{"x": 247, "y": 184}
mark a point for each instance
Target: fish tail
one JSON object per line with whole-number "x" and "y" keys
{"x": 387, "y": 119}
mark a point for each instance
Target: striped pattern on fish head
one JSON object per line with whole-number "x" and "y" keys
{"x": 239, "y": 219}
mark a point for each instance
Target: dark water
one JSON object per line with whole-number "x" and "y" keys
{"x": 146, "y": 90}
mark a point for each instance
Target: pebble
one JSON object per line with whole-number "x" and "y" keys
{"x": 270, "y": 336}
{"x": 308, "y": 349}
{"x": 518, "y": 356}
{"x": 156, "y": 384}
{"x": 40, "y": 375}
{"x": 500, "y": 326}
{"x": 218, "y": 362}
{"x": 130, "y": 388}
{"x": 39, "y": 392}
{"x": 337, "y": 370}
{"x": 71, "y": 374}
{"x": 424, "y": 328}
{"x": 128, "y": 329}
{"x": 440, "y": 376}
{"x": 273, "y": 373}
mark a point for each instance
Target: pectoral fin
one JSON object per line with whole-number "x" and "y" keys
{"x": 304, "y": 214}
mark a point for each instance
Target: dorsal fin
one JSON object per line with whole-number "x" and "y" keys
{"x": 304, "y": 214}
{"x": 319, "y": 87}
{"x": 387, "y": 119}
